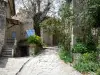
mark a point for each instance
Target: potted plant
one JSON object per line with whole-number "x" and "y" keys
{"x": 35, "y": 44}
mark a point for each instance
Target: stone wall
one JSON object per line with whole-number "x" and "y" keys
{"x": 27, "y": 22}
{"x": 47, "y": 39}
{"x": 15, "y": 29}
{"x": 2, "y": 23}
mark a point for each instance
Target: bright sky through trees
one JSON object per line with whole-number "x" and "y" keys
{"x": 53, "y": 10}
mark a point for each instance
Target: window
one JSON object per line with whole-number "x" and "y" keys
{"x": 13, "y": 34}
{"x": 30, "y": 32}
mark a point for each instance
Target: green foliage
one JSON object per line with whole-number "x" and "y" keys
{"x": 86, "y": 17}
{"x": 86, "y": 57}
{"x": 66, "y": 22}
{"x": 37, "y": 50}
{"x": 88, "y": 46}
{"x": 80, "y": 48}
{"x": 87, "y": 66}
{"x": 89, "y": 15}
{"x": 65, "y": 55}
{"x": 94, "y": 10}
{"x": 51, "y": 25}
{"x": 87, "y": 63}
{"x": 98, "y": 72}
{"x": 35, "y": 40}
{"x": 65, "y": 12}
{"x": 79, "y": 39}
{"x": 67, "y": 17}
{"x": 91, "y": 46}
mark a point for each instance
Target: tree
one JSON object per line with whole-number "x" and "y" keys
{"x": 51, "y": 25}
{"x": 61, "y": 26}
{"x": 37, "y": 12}
{"x": 88, "y": 17}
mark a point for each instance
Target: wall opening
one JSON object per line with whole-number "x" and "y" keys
{"x": 24, "y": 51}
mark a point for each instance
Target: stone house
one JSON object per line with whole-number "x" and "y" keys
{"x": 13, "y": 28}
{"x": 27, "y": 21}
{"x": 10, "y": 29}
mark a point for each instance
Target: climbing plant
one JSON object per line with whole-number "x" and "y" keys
{"x": 67, "y": 20}
{"x": 67, "y": 17}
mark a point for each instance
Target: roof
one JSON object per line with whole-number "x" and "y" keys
{"x": 12, "y": 7}
{"x": 13, "y": 21}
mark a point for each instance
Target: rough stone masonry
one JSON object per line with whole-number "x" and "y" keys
{"x": 2, "y": 22}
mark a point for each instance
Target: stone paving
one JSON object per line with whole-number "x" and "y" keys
{"x": 48, "y": 63}
{"x": 10, "y": 66}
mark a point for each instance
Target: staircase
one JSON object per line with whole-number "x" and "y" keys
{"x": 8, "y": 49}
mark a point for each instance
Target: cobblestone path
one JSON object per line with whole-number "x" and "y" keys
{"x": 47, "y": 63}
{"x": 10, "y": 66}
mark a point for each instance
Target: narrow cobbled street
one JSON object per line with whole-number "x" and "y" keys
{"x": 47, "y": 63}
{"x": 10, "y": 66}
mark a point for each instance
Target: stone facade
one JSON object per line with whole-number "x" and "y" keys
{"x": 47, "y": 38}
{"x": 2, "y": 23}
{"x": 15, "y": 29}
{"x": 12, "y": 25}
{"x": 27, "y": 23}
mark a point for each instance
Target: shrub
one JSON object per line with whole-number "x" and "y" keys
{"x": 80, "y": 48}
{"x": 89, "y": 57}
{"x": 91, "y": 46}
{"x": 35, "y": 44}
{"x": 35, "y": 40}
{"x": 78, "y": 39}
{"x": 87, "y": 63}
{"x": 98, "y": 72}
{"x": 86, "y": 66}
{"x": 65, "y": 55}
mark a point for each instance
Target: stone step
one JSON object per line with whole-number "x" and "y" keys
{"x": 7, "y": 48}
{"x": 9, "y": 45}
{"x": 6, "y": 55}
{"x": 7, "y": 52}
{"x": 10, "y": 42}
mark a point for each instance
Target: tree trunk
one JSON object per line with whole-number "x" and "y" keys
{"x": 37, "y": 30}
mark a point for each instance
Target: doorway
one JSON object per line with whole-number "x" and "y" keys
{"x": 24, "y": 51}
